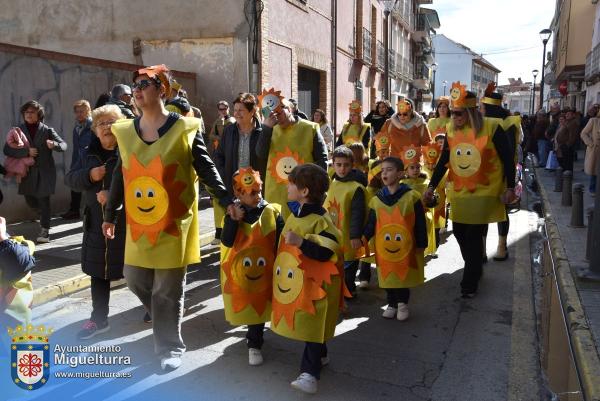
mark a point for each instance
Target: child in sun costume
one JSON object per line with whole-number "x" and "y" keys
{"x": 346, "y": 205}
{"x": 156, "y": 179}
{"x": 481, "y": 168}
{"x": 415, "y": 179}
{"x": 355, "y": 129}
{"x": 248, "y": 248}
{"x": 287, "y": 144}
{"x": 307, "y": 280}
{"x": 431, "y": 155}
{"x": 397, "y": 221}
{"x": 405, "y": 128}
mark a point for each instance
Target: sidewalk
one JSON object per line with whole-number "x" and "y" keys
{"x": 58, "y": 264}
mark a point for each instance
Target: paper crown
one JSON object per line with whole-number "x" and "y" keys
{"x": 373, "y": 171}
{"x": 458, "y": 97}
{"x": 490, "y": 97}
{"x": 410, "y": 155}
{"x": 271, "y": 99}
{"x": 404, "y": 106}
{"x": 382, "y": 141}
{"x": 29, "y": 333}
{"x": 247, "y": 180}
{"x": 355, "y": 107}
{"x": 431, "y": 152}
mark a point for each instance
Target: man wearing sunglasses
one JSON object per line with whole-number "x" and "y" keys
{"x": 162, "y": 155}
{"x": 406, "y": 128}
{"x": 482, "y": 170}
{"x": 216, "y": 131}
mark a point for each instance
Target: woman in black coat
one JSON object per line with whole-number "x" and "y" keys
{"x": 40, "y": 181}
{"x": 100, "y": 258}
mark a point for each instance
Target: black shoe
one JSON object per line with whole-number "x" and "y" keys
{"x": 70, "y": 215}
{"x": 468, "y": 295}
{"x": 147, "y": 318}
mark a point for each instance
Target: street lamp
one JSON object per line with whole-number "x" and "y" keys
{"x": 388, "y": 6}
{"x": 434, "y": 69}
{"x": 444, "y": 83}
{"x": 545, "y": 35}
{"x": 535, "y": 73}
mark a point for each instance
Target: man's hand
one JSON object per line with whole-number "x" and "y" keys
{"x": 271, "y": 120}
{"x": 33, "y": 152}
{"x": 102, "y": 197}
{"x": 3, "y": 234}
{"x": 108, "y": 229}
{"x": 428, "y": 196}
{"x": 50, "y": 144}
{"x": 293, "y": 239}
{"x": 97, "y": 173}
{"x": 509, "y": 197}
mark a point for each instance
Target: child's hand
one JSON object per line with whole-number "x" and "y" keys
{"x": 356, "y": 243}
{"x": 102, "y": 197}
{"x": 33, "y": 152}
{"x": 3, "y": 234}
{"x": 293, "y": 239}
{"x": 237, "y": 213}
{"x": 108, "y": 229}
{"x": 97, "y": 173}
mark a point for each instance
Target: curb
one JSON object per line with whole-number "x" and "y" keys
{"x": 582, "y": 341}
{"x": 83, "y": 281}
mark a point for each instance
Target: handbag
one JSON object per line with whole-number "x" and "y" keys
{"x": 552, "y": 163}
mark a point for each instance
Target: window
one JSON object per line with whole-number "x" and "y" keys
{"x": 358, "y": 90}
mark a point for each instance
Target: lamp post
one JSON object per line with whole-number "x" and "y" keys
{"x": 444, "y": 83}
{"x": 545, "y": 35}
{"x": 434, "y": 69}
{"x": 535, "y": 73}
{"x": 388, "y": 6}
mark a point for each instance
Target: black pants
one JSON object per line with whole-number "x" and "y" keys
{"x": 365, "y": 271}
{"x": 311, "y": 358}
{"x": 100, "y": 298}
{"x": 437, "y": 237}
{"x": 397, "y": 295}
{"x": 42, "y": 206}
{"x": 350, "y": 269}
{"x": 254, "y": 335}
{"x": 470, "y": 241}
{"x": 503, "y": 226}
{"x": 566, "y": 161}
{"x": 75, "y": 201}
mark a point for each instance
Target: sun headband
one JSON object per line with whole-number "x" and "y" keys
{"x": 373, "y": 171}
{"x": 431, "y": 152}
{"x": 271, "y": 99}
{"x": 382, "y": 141}
{"x": 247, "y": 180}
{"x": 355, "y": 107}
{"x": 458, "y": 97}
{"x": 410, "y": 155}
{"x": 404, "y": 106}
{"x": 488, "y": 99}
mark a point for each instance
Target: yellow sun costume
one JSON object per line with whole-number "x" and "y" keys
{"x": 352, "y": 133}
{"x": 399, "y": 265}
{"x": 306, "y": 292}
{"x": 431, "y": 154}
{"x": 437, "y": 125}
{"x": 160, "y": 196}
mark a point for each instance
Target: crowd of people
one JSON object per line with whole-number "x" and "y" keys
{"x": 301, "y": 213}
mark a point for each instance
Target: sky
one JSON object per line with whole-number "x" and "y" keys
{"x": 499, "y": 26}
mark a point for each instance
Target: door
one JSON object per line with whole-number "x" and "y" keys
{"x": 308, "y": 90}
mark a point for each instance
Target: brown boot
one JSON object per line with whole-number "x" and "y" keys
{"x": 502, "y": 250}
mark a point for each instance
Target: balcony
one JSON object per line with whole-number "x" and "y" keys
{"x": 592, "y": 64}
{"x": 392, "y": 56}
{"x": 380, "y": 55}
{"x": 367, "y": 41}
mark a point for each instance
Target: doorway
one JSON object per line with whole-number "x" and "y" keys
{"x": 309, "y": 82}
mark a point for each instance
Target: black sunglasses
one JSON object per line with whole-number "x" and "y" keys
{"x": 222, "y": 109}
{"x": 143, "y": 84}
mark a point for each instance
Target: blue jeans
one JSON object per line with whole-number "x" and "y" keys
{"x": 543, "y": 149}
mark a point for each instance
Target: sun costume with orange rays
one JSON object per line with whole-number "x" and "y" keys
{"x": 399, "y": 263}
{"x": 414, "y": 132}
{"x": 431, "y": 155}
{"x": 288, "y": 147}
{"x": 352, "y": 133}
{"x": 306, "y": 292}
{"x": 247, "y": 265}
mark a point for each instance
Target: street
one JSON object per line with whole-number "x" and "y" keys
{"x": 449, "y": 349}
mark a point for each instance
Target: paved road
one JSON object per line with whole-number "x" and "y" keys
{"x": 450, "y": 349}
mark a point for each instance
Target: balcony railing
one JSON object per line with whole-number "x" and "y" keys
{"x": 392, "y": 61}
{"x": 592, "y": 63}
{"x": 380, "y": 55}
{"x": 367, "y": 41}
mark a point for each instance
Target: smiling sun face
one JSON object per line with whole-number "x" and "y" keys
{"x": 152, "y": 198}
{"x": 335, "y": 211}
{"x": 297, "y": 282}
{"x": 248, "y": 270}
{"x": 470, "y": 160}
{"x": 394, "y": 242}
{"x": 431, "y": 153}
{"x": 282, "y": 165}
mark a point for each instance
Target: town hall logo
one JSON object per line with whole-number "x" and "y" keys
{"x": 30, "y": 356}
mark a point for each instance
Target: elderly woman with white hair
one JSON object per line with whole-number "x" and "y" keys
{"x": 101, "y": 259}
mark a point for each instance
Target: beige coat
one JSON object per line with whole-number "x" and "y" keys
{"x": 590, "y": 135}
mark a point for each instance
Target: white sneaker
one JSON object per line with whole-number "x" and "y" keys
{"x": 306, "y": 383}
{"x": 170, "y": 362}
{"x": 363, "y": 284}
{"x": 389, "y": 313}
{"x": 324, "y": 361}
{"x": 43, "y": 237}
{"x": 255, "y": 357}
{"x": 402, "y": 312}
